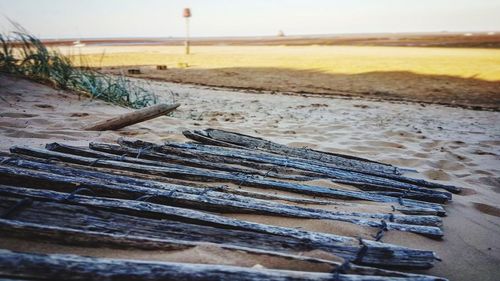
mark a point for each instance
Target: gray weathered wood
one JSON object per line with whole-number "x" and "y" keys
{"x": 131, "y": 118}
{"x": 107, "y": 151}
{"x": 63, "y": 235}
{"x": 378, "y": 254}
{"x": 92, "y": 238}
{"x": 353, "y": 164}
{"x": 281, "y": 209}
{"x": 151, "y": 180}
{"x": 334, "y": 174}
{"x": 177, "y": 171}
{"x": 420, "y": 194}
{"x": 73, "y": 267}
{"x": 226, "y": 138}
{"x": 425, "y": 225}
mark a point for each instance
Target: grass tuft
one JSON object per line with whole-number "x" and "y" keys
{"x": 24, "y": 54}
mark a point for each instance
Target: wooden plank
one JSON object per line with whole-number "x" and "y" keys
{"x": 425, "y": 225}
{"x": 63, "y": 215}
{"x": 107, "y": 151}
{"x": 418, "y": 194}
{"x": 237, "y": 140}
{"x": 73, "y": 267}
{"x": 398, "y": 208}
{"x": 187, "y": 153}
{"x": 377, "y": 254}
{"x": 333, "y": 174}
{"x": 355, "y": 165}
{"x": 70, "y": 236}
{"x": 124, "y": 181}
{"x": 177, "y": 171}
{"x": 93, "y": 238}
{"x": 131, "y": 118}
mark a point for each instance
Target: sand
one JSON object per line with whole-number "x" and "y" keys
{"x": 466, "y": 77}
{"x": 448, "y": 145}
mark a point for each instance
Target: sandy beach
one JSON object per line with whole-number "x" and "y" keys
{"x": 250, "y": 140}
{"x": 444, "y": 144}
{"x": 465, "y": 77}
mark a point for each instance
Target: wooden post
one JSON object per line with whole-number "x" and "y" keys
{"x": 132, "y": 117}
{"x": 187, "y": 14}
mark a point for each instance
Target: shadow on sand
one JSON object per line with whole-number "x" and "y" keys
{"x": 470, "y": 92}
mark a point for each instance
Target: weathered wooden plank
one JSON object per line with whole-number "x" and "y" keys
{"x": 17, "y": 279}
{"x": 226, "y": 138}
{"x": 147, "y": 146}
{"x": 61, "y": 214}
{"x": 266, "y": 196}
{"x": 420, "y": 194}
{"x": 378, "y": 254}
{"x": 334, "y": 174}
{"x": 427, "y": 195}
{"x": 356, "y": 165}
{"x": 107, "y": 151}
{"x": 93, "y": 238}
{"x": 73, "y": 267}
{"x": 227, "y": 189}
{"x": 244, "y": 204}
{"x": 70, "y": 236}
{"x": 11, "y": 175}
{"x": 131, "y": 118}
{"x": 177, "y": 171}
{"x": 407, "y": 210}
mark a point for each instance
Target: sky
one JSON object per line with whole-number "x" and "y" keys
{"x": 163, "y": 18}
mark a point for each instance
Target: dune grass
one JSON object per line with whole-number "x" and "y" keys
{"x": 25, "y": 55}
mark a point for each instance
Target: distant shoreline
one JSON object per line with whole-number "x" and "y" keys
{"x": 465, "y": 39}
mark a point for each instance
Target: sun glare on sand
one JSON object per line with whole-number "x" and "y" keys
{"x": 459, "y": 62}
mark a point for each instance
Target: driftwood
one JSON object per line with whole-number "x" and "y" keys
{"x": 408, "y": 210}
{"x": 73, "y": 267}
{"x": 361, "y": 180}
{"x": 418, "y": 194}
{"x": 93, "y": 238}
{"x": 131, "y": 118}
{"x": 107, "y": 151}
{"x": 208, "y": 175}
{"x": 212, "y": 202}
{"x": 159, "y": 197}
{"x": 340, "y": 161}
{"x": 376, "y": 254}
{"x": 103, "y": 221}
{"x": 224, "y": 188}
{"x": 177, "y": 171}
{"x": 266, "y": 196}
{"x": 182, "y": 172}
{"x": 225, "y": 138}
{"x": 71, "y": 236}
{"x": 335, "y": 173}
{"x": 97, "y": 179}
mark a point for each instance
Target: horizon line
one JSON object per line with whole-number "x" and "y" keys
{"x": 473, "y": 32}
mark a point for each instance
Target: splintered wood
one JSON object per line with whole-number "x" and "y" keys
{"x": 177, "y": 196}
